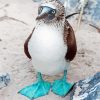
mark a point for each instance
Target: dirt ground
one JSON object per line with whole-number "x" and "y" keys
{"x": 17, "y": 19}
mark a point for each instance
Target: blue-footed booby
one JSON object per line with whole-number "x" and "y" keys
{"x": 51, "y": 46}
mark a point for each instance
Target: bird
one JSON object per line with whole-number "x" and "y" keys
{"x": 51, "y": 46}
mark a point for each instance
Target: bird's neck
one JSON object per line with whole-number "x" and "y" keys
{"x": 56, "y": 24}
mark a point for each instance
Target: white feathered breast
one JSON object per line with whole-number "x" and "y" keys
{"x": 48, "y": 50}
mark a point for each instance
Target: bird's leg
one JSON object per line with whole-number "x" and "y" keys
{"x": 37, "y": 89}
{"x": 61, "y": 87}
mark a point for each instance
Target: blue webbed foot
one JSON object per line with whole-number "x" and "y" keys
{"x": 61, "y": 87}
{"x": 38, "y": 89}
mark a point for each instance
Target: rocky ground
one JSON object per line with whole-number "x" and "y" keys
{"x": 17, "y": 19}
{"x": 87, "y": 89}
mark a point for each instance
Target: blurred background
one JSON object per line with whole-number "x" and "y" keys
{"x": 17, "y": 19}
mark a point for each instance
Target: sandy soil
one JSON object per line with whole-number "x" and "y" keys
{"x": 17, "y": 19}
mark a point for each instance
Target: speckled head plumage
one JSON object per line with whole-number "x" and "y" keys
{"x": 51, "y": 11}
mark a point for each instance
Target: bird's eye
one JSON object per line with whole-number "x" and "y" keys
{"x": 53, "y": 11}
{"x": 40, "y": 10}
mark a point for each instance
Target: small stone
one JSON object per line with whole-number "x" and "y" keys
{"x": 87, "y": 89}
{"x": 4, "y": 48}
{"x": 0, "y": 40}
{"x": 4, "y": 80}
{"x": 4, "y": 58}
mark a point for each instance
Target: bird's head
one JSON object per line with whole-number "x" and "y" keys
{"x": 51, "y": 11}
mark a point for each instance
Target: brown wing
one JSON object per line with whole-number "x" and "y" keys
{"x": 70, "y": 41}
{"x": 26, "y": 45}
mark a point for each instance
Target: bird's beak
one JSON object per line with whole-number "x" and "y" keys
{"x": 44, "y": 13}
